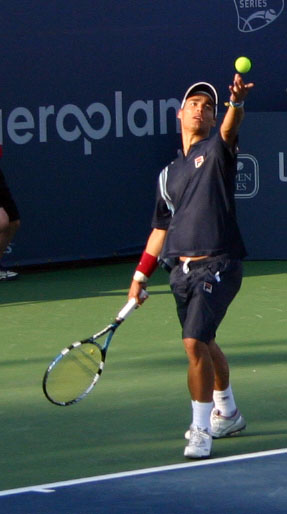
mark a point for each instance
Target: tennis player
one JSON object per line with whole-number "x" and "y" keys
{"x": 9, "y": 224}
{"x": 194, "y": 223}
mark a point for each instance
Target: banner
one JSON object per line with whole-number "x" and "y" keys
{"x": 88, "y": 106}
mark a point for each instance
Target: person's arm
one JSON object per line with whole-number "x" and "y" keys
{"x": 235, "y": 113}
{"x": 147, "y": 263}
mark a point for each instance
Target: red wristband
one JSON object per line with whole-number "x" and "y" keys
{"x": 147, "y": 264}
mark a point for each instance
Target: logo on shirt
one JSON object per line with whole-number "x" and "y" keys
{"x": 256, "y": 14}
{"x": 198, "y": 161}
{"x": 207, "y": 287}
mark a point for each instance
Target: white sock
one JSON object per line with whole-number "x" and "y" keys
{"x": 201, "y": 414}
{"x": 224, "y": 402}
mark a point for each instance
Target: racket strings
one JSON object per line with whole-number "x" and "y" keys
{"x": 73, "y": 375}
{"x": 85, "y": 360}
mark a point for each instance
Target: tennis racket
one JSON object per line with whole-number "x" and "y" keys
{"x": 76, "y": 370}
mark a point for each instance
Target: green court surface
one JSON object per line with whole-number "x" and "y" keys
{"x": 137, "y": 414}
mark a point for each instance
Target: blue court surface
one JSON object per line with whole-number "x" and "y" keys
{"x": 241, "y": 484}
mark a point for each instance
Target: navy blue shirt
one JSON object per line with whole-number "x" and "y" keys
{"x": 195, "y": 202}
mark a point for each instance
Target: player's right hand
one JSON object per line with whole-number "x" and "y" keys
{"x": 135, "y": 291}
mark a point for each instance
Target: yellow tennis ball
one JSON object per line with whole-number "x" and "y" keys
{"x": 242, "y": 64}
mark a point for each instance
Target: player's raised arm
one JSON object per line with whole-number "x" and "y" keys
{"x": 235, "y": 113}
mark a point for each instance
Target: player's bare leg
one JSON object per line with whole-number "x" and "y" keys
{"x": 200, "y": 378}
{"x": 226, "y": 419}
{"x": 221, "y": 368}
{"x": 8, "y": 230}
{"x": 200, "y": 383}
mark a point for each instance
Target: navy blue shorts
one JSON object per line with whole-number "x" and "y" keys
{"x": 204, "y": 293}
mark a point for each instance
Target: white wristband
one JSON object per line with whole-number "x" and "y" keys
{"x": 236, "y": 105}
{"x": 140, "y": 277}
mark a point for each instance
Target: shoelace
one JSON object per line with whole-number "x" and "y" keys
{"x": 197, "y": 436}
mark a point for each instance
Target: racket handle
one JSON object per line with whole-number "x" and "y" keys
{"x": 131, "y": 306}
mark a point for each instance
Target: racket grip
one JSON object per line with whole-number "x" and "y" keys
{"x": 131, "y": 306}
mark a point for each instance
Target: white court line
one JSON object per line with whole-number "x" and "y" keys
{"x": 49, "y": 488}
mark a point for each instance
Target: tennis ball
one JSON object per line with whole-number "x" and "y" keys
{"x": 242, "y": 64}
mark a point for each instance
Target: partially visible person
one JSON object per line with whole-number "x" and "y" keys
{"x": 9, "y": 224}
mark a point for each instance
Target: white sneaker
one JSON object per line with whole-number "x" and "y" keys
{"x": 222, "y": 426}
{"x": 6, "y": 274}
{"x": 199, "y": 446}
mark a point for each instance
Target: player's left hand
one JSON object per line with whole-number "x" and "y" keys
{"x": 239, "y": 90}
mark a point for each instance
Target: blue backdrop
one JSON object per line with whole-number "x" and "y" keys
{"x": 88, "y": 98}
